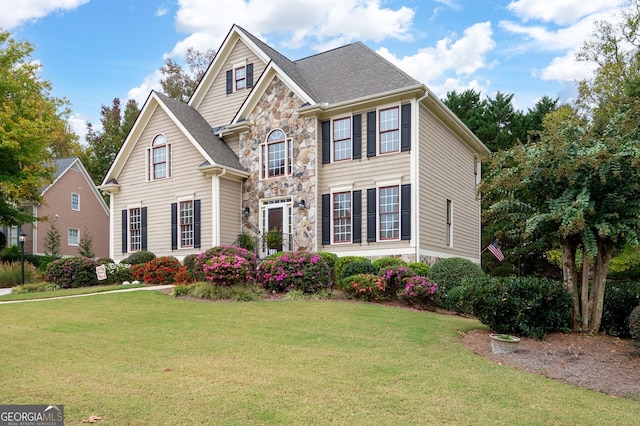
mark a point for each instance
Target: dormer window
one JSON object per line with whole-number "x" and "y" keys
{"x": 159, "y": 157}
{"x": 240, "y": 77}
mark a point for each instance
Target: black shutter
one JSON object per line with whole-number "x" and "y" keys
{"x": 143, "y": 228}
{"x": 326, "y": 142}
{"x": 174, "y": 226}
{"x": 357, "y": 137}
{"x": 196, "y": 224}
{"x": 356, "y": 216}
{"x": 249, "y": 75}
{"x": 229, "y": 81}
{"x": 371, "y": 134}
{"x": 405, "y": 212}
{"x": 125, "y": 242}
{"x": 371, "y": 214}
{"x": 405, "y": 127}
{"x": 326, "y": 219}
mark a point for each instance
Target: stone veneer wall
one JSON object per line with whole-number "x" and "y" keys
{"x": 278, "y": 109}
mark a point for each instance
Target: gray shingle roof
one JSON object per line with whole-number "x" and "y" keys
{"x": 202, "y": 132}
{"x": 63, "y": 164}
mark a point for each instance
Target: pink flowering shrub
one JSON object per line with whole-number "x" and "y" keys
{"x": 72, "y": 272}
{"x": 202, "y": 258}
{"x": 394, "y": 277}
{"x": 419, "y": 292}
{"x": 369, "y": 287}
{"x": 228, "y": 270}
{"x": 307, "y": 272}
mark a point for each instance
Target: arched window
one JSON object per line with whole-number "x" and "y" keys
{"x": 276, "y": 155}
{"x": 159, "y": 158}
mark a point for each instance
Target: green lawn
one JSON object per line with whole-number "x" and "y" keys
{"x": 147, "y": 359}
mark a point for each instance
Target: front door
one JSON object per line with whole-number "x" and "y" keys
{"x": 275, "y": 216}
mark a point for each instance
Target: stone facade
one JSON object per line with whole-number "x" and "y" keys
{"x": 277, "y": 109}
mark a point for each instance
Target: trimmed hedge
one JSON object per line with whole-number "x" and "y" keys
{"x": 359, "y": 267}
{"x": 342, "y": 262}
{"x": 634, "y": 326}
{"x": 619, "y": 300}
{"x": 139, "y": 257}
{"x": 449, "y": 273}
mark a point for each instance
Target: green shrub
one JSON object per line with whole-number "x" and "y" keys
{"x": 72, "y": 272}
{"x": 205, "y": 290}
{"x": 189, "y": 262}
{"x": 634, "y": 326}
{"x": 420, "y": 268}
{"x": 419, "y": 292}
{"x": 34, "y": 288}
{"x": 387, "y": 262}
{"x": 117, "y": 273}
{"x": 161, "y": 270}
{"x": 231, "y": 251}
{"x": 359, "y": 267}
{"x": 139, "y": 257}
{"x": 394, "y": 277}
{"x": 522, "y": 306}
{"x": 457, "y": 298}
{"x": 331, "y": 259}
{"x": 449, "y": 273}
{"x": 246, "y": 241}
{"x": 11, "y": 274}
{"x": 39, "y": 261}
{"x": 619, "y": 300}
{"x": 104, "y": 260}
{"x": 304, "y": 271}
{"x": 342, "y": 262}
{"x": 367, "y": 287}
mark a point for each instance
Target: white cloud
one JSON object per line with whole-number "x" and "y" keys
{"x": 566, "y": 68}
{"x": 463, "y": 56}
{"x": 561, "y": 12}
{"x": 141, "y": 93}
{"x": 15, "y": 13}
{"x": 78, "y": 125}
{"x": 161, "y": 11}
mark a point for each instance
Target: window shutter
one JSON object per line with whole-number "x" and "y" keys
{"x": 125, "y": 239}
{"x": 196, "y": 223}
{"x": 229, "y": 81}
{"x": 405, "y": 212}
{"x": 249, "y": 75}
{"x": 326, "y": 142}
{"x": 371, "y": 134}
{"x": 357, "y": 137}
{"x": 174, "y": 226}
{"x": 143, "y": 228}
{"x": 405, "y": 127}
{"x": 326, "y": 219}
{"x": 356, "y": 217}
{"x": 371, "y": 214}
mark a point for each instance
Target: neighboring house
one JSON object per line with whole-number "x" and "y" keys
{"x": 74, "y": 206}
{"x": 341, "y": 151}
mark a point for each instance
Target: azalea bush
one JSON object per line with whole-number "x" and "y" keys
{"x": 161, "y": 270}
{"x": 228, "y": 270}
{"x": 201, "y": 260}
{"x": 368, "y": 287}
{"x": 419, "y": 292}
{"x": 304, "y": 271}
{"x": 72, "y": 272}
{"x": 394, "y": 277}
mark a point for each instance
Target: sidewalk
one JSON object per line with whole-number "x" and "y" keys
{"x": 156, "y": 287}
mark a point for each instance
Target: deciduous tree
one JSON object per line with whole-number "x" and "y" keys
{"x": 179, "y": 83}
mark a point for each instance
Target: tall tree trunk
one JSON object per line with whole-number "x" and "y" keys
{"x": 603, "y": 258}
{"x": 585, "y": 306}
{"x": 570, "y": 278}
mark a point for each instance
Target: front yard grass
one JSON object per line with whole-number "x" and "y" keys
{"x": 66, "y": 292}
{"x": 146, "y": 358}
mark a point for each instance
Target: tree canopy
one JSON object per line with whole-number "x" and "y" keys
{"x": 179, "y": 83}
{"x": 33, "y": 129}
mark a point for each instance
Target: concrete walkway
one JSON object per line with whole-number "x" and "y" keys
{"x": 156, "y": 287}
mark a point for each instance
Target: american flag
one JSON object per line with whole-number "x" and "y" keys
{"x": 494, "y": 248}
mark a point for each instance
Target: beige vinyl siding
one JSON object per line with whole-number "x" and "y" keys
{"x": 446, "y": 172}
{"x": 185, "y": 182}
{"x": 234, "y": 143}
{"x": 217, "y": 107}
{"x": 362, "y": 174}
{"x": 230, "y": 210}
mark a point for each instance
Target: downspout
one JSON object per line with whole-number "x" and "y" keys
{"x": 415, "y": 165}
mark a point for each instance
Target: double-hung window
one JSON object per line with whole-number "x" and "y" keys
{"x": 276, "y": 155}
{"x": 75, "y": 202}
{"x": 186, "y": 224}
{"x": 73, "y": 237}
{"x": 135, "y": 229}
{"x": 240, "y": 77}
{"x": 389, "y": 216}
{"x": 342, "y": 217}
{"x": 342, "y": 139}
{"x": 449, "y": 229}
{"x": 389, "y": 130}
{"x": 159, "y": 158}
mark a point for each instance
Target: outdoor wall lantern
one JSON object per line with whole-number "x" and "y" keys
{"x": 302, "y": 205}
{"x": 22, "y": 238}
{"x": 245, "y": 212}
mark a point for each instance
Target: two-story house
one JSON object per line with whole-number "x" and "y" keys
{"x": 341, "y": 151}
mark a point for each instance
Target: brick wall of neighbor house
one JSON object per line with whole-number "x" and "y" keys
{"x": 217, "y": 107}
{"x": 446, "y": 173}
{"x": 277, "y": 109}
{"x": 91, "y": 216}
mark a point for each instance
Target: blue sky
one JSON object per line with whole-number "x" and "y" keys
{"x": 95, "y": 50}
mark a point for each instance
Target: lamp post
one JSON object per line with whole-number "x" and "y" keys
{"x": 22, "y": 237}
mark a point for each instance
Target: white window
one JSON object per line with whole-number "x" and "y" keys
{"x": 276, "y": 155}
{"x": 75, "y": 202}
{"x": 342, "y": 217}
{"x": 73, "y": 236}
{"x": 135, "y": 229}
{"x": 240, "y": 77}
{"x": 389, "y": 216}
{"x": 159, "y": 158}
{"x": 186, "y": 224}
{"x": 342, "y": 139}
{"x": 389, "y": 130}
{"x": 449, "y": 230}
